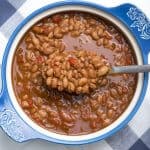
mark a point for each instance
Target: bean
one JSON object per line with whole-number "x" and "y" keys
{"x": 58, "y": 58}
{"x": 54, "y": 82}
{"x": 99, "y": 112}
{"x": 120, "y": 90}
{"x": 50, "y": 35}
{"x": 77, "y": 26}
{"x": 66, "y": 117}
{"x": 30, "y": 55}
{"x": 111, "y": 113}
{"x": 125, "y": 89}
{"x": 49, "y": 50}
{"x": 60, "y": 88}
{"x": 98, "y": 65}
{"x": 25, "y": 97}
{"x": 27, "y": 65}
{"x": 92, "y": 73}
{"x": 92, "y": 86}
{"x": 104, "y": 98}
{"x": 57, "y": 72}
{"x": 43, "y": 113}
{"x": 63, "y": 66}
{"x": 71, "y": 27}
{"x": 99, "y": 42}
{"x": 57, "y": 44}
{"x": 93, "y": 124}
{"x": 102, "y": 26}
{"x": 49, "y": 81}
{"x": 103, "y": 71}
{"x": 62, "y": 48}
{"x": 85, "y": 112}
{"x": 35, "y": 74}
{"x": 94, "y": 104}
{"x": 56, "y": 121}
{"x": 33, "y": 110}
{"x": 79, "y": 89}
{"x": 63, "y": 72}
{"x": 94, "y": 35}
{"x": 112, "y": 46}
{"x": 103, "y": 82}
{"x": 100, "y": 32}
{"x": 30, "y": 46}
{"x": 118, "y": 38}
{"x": 105, "y": 42}
{"x": 93, "y": 80}
{"x": 25, "y": 104}
{"x": 39, "y": 102}
{"x": 85, "y": 89}
{"x": 88, "y": 31}
{"x": 103, "y": 116}
{"x": 84, "y": 73}
{"x": 37, "y": 29}
{"x": 96, "y": 60}
{"x": 71, "y": 86}
{"x": 83, "y": 81}
{"x": 114, "y": 93}
{"x": 61, "y": 76}
{"x": 57, "y": 18}
{"x": 71, "y": 21}
{"x": 106, "y": 122}
{"x": 50, "y": 72}
{"x": 92, "y": 21}
{"x": 67, "y": 65}
{"x": 69, "y": 74}
{"x": 35, "y": 40}
{"x": 99, "y": 99}
{"x": 125, "y": 76}
{"x": 109, "y": 104}
{"x": 75, "y": 33}
{"x": 54, "y": 114}
{"x": 107, "y": 35}
{"x": 57, "y": 33}
{"x": 65, "y": 29}
{"x": 34, "y": 68}
{"x": 65, "y": 82}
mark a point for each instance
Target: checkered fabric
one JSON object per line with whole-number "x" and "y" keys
{"x": 135, "y": 136}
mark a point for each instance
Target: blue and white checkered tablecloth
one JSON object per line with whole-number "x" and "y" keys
{"x": 135, "y": 136}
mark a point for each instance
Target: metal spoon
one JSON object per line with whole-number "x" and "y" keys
{"x": 129, "y": 69}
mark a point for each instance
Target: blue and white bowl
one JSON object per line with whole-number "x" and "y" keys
{"x": 129, "y": 19}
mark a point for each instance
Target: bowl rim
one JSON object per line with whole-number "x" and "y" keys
{"x": 84, "y": 4}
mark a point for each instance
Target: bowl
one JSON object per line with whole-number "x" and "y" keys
{"x": 128, "y": 18}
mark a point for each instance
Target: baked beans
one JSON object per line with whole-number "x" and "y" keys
{"x": 59, "y": 68}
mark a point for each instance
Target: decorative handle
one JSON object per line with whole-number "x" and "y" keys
{"x": 13, "y": 125}
{"x": 0, "y": 80}
{"x": 137, "y": 23}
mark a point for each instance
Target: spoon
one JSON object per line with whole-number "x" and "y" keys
{"x": 129, "y": 69}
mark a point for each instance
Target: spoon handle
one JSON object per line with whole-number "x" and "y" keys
{"x": 130, "y": 69}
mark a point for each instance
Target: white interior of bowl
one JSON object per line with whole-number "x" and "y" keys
{"x": 67, "y": 137}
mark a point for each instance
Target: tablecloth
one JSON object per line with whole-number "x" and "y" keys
{"x": 135, "y": 136}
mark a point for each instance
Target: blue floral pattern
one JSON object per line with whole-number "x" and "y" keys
{"x": 10, "y": 125}
{"x": 140, "y": 21}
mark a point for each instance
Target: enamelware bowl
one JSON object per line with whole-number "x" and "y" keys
{"x": 129, "y": 19}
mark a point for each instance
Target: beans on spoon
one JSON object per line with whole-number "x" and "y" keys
{"x": 75, "y": 71}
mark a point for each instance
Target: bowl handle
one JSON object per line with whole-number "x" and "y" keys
{"x": 137, "y": 23}
{"x": 10, "y": 121}
{"x": 0, "y": 80}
